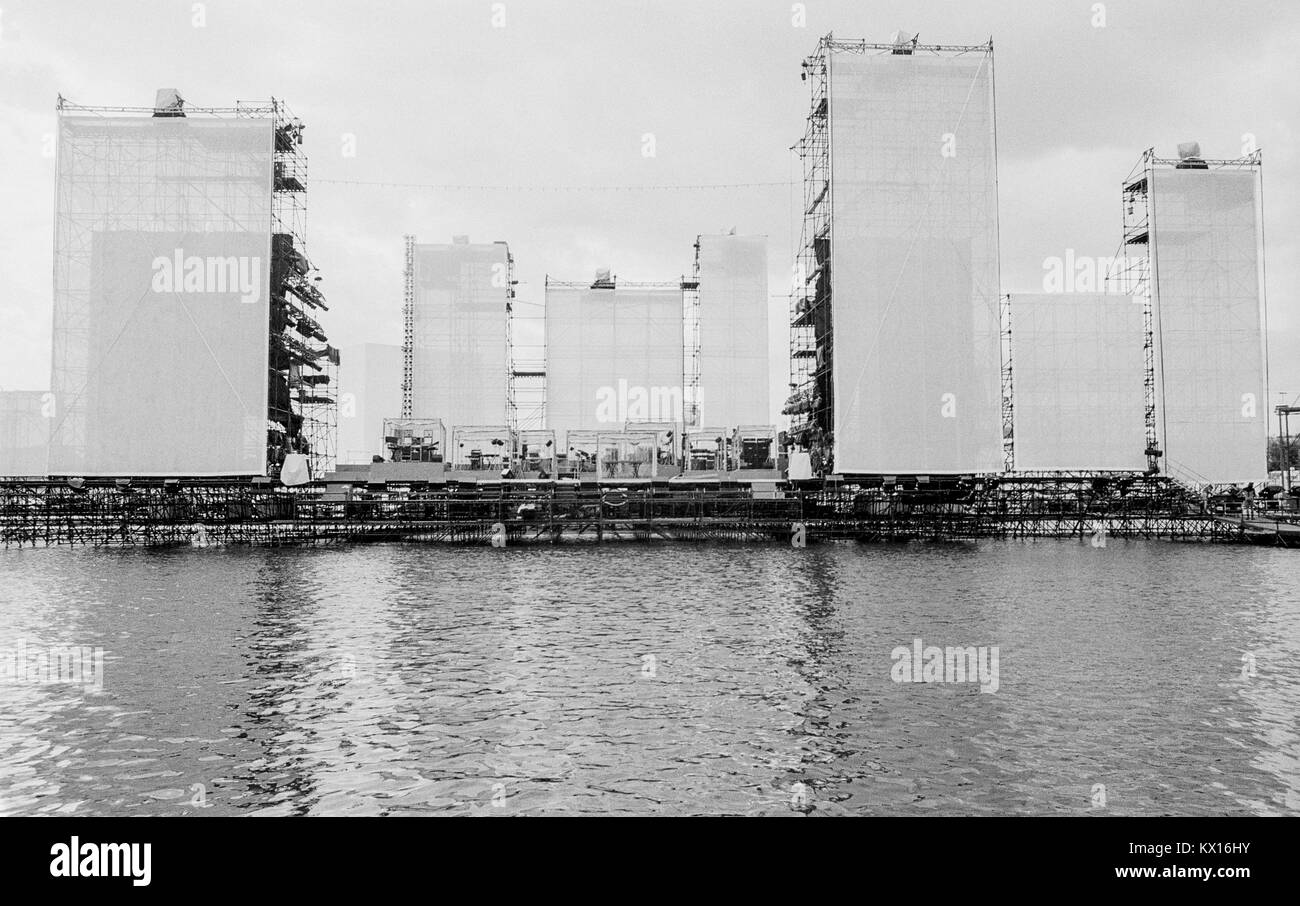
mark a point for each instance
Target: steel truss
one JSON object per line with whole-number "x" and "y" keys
{"x": 203, "y": 513}
{"x": 811, "y": 403}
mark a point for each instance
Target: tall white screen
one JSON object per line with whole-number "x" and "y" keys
{"x": 613, "y": 356}
{"x": 914, "y": 266}
{"x": 1206, "y": 289}
{"x": 1078, "y": 382}
{"x": 460, "y": 367}
{"x": 161, "y": 296}
{"x": 733, "y": 330}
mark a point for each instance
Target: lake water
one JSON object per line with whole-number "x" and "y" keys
{"x": 1137, "y": 678}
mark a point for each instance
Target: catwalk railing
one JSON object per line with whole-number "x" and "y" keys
{"x": 202, "y": 514}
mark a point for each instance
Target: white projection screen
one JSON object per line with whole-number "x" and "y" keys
{"x": 733, "y": 330}
{"x": 1206, "y": 289}
{"x": 459, "y": 362}
{"x": 914, "y": 263}
{"x": 612, "y": 356}
{"x": 161, "y": 296}
{"x": 1078, "y": 382}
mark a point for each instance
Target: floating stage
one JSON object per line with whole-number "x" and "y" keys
{"x": 208, "y": 512}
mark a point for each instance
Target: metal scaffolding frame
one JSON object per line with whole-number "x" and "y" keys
{"x": 526, "y": 383}
{"x": 302, "y": 366}
{"x": 303, "y": 357}
{"x": 1008, "y": 387}
{"x": 691, "y": 358}
{"x": 1131, "y": 273}
{"x": 811, "y": 404}
{"x": 44, "y": 513}
{"x": 408, "y": 325}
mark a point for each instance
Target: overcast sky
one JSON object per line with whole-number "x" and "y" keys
{"x": 558, "y": 100}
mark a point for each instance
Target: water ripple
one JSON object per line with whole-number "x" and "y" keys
{"x": 661, "y": 679}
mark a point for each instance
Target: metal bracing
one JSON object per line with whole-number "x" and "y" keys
{"x": 1131, "y": 273}
{"x": 138, "y": 185}
{"x": 526, "y": 361}
{"x": 691, "y": 348}
{"x": 831, "y": 43}
{"x": 512, "y": 404}
{"x": 810, "y": 404}
{"x": 303, "y": 363}
{"x": 203, "y": 513}
{"x": 408, "y": 326}
{"x": 1008, "y": 387}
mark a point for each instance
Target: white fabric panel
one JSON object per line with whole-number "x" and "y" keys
{"x": 24, "y": 432}
{"x": 1208, "y": 304}
{"x": 613, "y": 356}
{"x": 733, "y": 330}
{"x": 916, "y": 358}
{"x": 1078, "y": 382}
{"x": 565, "y": 360}
{"x": 161, "y": 296}
{"x": 460, "y": 367}
{"x": 370, "y": 390}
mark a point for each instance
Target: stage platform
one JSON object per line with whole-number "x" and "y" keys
{"x": 214, "y": 512}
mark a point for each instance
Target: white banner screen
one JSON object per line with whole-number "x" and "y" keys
{"x": 1078, "y": 382}
{"x": 460, "y": 358}
{"x": 733, "y": 331}
{"x": 1206, "y": 287}
{"x": 914, "y": 270}
{"x": 613, "y": 356}
{"x": 161, "y": 296}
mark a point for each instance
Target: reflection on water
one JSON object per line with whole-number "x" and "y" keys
{"x": 742, "y": 679}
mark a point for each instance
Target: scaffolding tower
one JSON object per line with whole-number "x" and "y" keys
{"x": 810, "y": 404}
{"x": 1131, "y": 274}
{"x": 691, "y": 357}
{"x": 303, "y": 397}
{"x": 1008, "y": 387}
{"x": 526, "y": 361}
{"x": 408, "y": 326}
{"x": 301, "y": 415}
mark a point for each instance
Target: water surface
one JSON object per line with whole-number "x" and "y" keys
{"x": 655, "y": 678}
